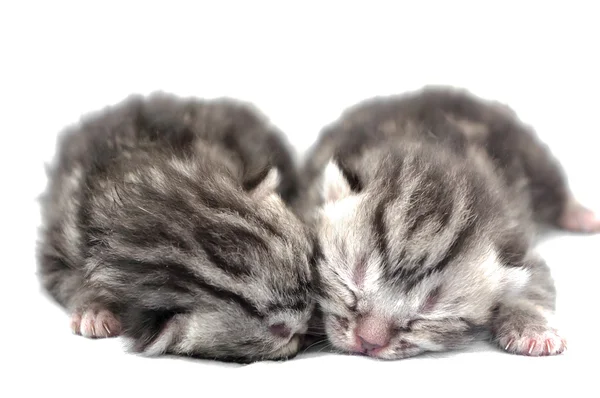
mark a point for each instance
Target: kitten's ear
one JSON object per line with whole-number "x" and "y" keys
{"x": 335, "y": 185}
{"x": 268, "y": 185}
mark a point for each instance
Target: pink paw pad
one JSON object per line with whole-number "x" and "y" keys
{"x": 94, "y": 323}
{"x": 577, "y": 218}
{"x": 535, "y": 344}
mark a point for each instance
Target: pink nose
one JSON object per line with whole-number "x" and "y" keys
{"x": 280, "y": 330}
{"x": 367, "y": 346}
{"x": 373, "y": 333}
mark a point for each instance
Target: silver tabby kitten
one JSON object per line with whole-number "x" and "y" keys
{"x": 164, "y": 222}
{"x": 430, "y": 202}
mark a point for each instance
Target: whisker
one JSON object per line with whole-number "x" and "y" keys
{"x": 328, "y": 346}
{"x": 316, "y": 326}
{"x": 336, "y": 350}
{"x": 314, "y": 344}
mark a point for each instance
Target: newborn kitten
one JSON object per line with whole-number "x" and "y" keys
{"x": 426, "y": 226}
{"x": 164, "y": 222}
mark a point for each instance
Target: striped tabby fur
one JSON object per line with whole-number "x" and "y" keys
{"x": 429, "y": 203}
{"x": 164, "y": 218}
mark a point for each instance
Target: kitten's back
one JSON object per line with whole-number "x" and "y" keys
{"x": 454, "y": 119}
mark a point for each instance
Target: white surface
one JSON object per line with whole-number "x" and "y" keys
{"x": 301, "y": 65}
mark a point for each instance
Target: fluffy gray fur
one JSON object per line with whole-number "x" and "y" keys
{"x": 165, "y": 220}
{"x": 429, "y": 203}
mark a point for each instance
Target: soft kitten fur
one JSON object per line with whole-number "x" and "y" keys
{"x": 164, "y": 222}
{"x": 425, "y": 232}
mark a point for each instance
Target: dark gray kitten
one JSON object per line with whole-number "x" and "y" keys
{"x": 430, "y": 203}
{"x": 164, "y": 222}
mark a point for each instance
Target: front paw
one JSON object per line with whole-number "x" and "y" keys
{"x": 95, "y": 323}
{"x": 532, "y": 341}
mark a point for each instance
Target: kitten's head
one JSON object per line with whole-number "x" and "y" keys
{"x": 409, "y": 263}
{"x": 204, "y": 267}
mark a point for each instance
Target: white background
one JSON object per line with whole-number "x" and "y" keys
{"x": 301, "y": 64}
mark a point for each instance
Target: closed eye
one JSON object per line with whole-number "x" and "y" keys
{"x": 410, "y": 324}
{"x": 293, "y": 306}
{"x": 406, "y": 328}
{"x": 342, "y": 321}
